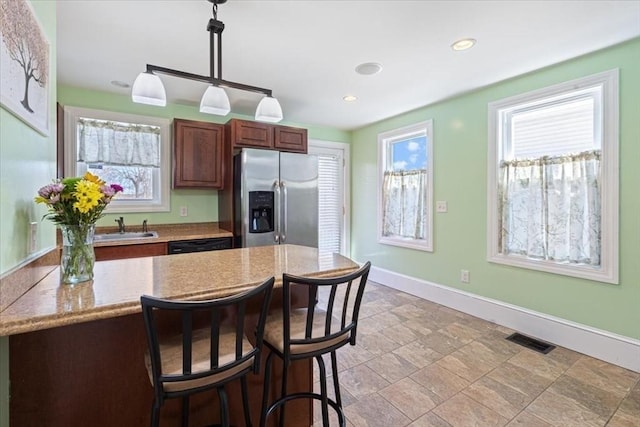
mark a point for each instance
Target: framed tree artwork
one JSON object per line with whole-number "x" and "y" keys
{"x": 24, "y": 65}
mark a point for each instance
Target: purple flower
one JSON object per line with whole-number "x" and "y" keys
{"x": 117, "y": 188}
{"x": 108, "y": 191}
{"x": 51, "y": 190}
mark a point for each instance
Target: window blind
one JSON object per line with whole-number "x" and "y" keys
{"x": 561, "y": 128}
{"x": 329, "y": 203}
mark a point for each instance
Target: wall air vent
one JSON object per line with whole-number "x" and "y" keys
{"x": 531, "y": 343}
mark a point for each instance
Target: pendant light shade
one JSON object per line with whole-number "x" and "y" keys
{"x": 148, "y": 89}
{"x": 269, "y": 110}
{"x": 215, "y": 101}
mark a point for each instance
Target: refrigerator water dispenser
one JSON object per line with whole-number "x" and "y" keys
{"x": 260, "y": 211}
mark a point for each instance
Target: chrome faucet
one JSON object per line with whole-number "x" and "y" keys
{"x": 120, "y": 222}
{"x": 144, "y": 226}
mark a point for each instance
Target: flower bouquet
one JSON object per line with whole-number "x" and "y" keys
{"x": 75, "y": 204}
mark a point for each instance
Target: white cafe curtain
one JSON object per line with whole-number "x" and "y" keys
{"x": 120, "y": 144}
{"x": 550, "y": 208}
{"x": 403, "y": 203}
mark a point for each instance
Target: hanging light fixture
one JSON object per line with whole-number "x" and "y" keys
{"x": 148, "y": 88}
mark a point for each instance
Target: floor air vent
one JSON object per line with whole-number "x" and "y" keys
{"x": 531, "y": 343}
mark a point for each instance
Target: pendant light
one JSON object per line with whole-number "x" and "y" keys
{"x": 269, "y": 110}
{"x": 215, "y": 101}
{"x": 148, "y": 88}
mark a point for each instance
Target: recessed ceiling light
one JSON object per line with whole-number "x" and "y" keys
{"x": 349, "y": 98}
{"x": 120, "y": 83}
{"x": 369, "y": 68}
{"x": 463, "y": 44}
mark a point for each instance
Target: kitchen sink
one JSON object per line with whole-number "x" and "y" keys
{"x": 125, "y": 236}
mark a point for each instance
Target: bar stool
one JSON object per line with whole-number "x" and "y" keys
{"x": 205, "y": 348}
{"x": 327, "y": 322}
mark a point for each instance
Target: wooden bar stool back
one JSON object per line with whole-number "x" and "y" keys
{"x": 327, "y": 321}
{"x": 195, "y": 346}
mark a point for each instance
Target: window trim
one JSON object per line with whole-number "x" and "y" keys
{"x": 383, "y": 142}
{"x": 71, "y": 116}
{"x": 608, "y": 271}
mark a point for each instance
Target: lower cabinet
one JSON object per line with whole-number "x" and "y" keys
{"x": 199, "y": 245}
{"x": 104, "y": 253}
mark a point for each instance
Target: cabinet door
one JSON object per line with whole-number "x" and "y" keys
{"x": 251, "y": 134}
{"x": 198, "y": 155}
{"x": 290, "y": 139}
{"x": 104, "y": 253}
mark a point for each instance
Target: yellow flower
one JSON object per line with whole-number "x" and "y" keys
{"x": 92, "y": 178}
{"x": 87, "y": 194}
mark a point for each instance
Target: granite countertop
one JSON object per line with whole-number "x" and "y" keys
{"x": 118, "y": 284}
{"x": 167, "y": 233}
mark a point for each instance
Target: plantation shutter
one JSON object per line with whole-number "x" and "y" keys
{"x": 329, "y": 203}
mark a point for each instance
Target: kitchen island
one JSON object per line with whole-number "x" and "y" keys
{"x": 77, "y": 353}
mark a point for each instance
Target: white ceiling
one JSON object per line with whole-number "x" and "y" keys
{"x": 306, "y": 51}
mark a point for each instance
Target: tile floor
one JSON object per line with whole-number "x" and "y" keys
{"x": 419, "y": 364}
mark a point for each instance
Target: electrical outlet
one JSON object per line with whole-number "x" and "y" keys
{"x": 33, "y": 237}
{"x": 184, "y": 211}
{"x": 464, "y": 276}
{"x": 441, "y": 206}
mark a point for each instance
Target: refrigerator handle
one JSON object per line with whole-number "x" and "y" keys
{"x": 284, "y": 218}
{"x": 276, "y": 187}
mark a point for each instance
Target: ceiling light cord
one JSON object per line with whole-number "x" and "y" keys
{"x": 215, "y": 27}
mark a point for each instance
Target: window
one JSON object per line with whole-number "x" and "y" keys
{"x": 553, "y": 180}
{"x": 405, "y": 160}
{"x": 333, "y": 213}
{"x": 129, "y": 150}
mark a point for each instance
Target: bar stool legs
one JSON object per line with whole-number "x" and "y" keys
{"x": 284, "y": 398}
{"x": 245, "y": 401}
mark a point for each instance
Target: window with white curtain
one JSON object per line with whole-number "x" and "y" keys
{"x": 129, "y": 150}
{"x": 405, "y": 175}
{"x": 553, "y": 179}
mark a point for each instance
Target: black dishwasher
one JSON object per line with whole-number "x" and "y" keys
{"x": 199, "y": 245}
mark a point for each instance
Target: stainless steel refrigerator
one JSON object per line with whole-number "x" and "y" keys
{"x": 276, "y": 198}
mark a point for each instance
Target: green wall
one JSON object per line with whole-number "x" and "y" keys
{"x": 27, "y": 162}
{"x": 460, "y": 178}
{"x": 202, "y": 204}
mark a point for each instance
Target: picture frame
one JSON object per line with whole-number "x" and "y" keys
{"x": 25, "y": 67}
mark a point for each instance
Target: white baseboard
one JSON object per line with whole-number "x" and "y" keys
{"x": 617, "y": 349}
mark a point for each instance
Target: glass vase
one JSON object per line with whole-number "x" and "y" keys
{"x": 78, "y": 257}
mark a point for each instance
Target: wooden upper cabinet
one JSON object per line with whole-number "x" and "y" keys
{"x": 290, "y": 139}
{"x": 198, "y": 160}
{"x": 251, "y": 134}
{"x": 244, "y": 133}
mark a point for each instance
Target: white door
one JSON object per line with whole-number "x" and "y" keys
{"x": 333, "y": 195}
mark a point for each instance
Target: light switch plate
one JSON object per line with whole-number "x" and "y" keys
{"x": 441, "y": 206}
{"x": 33, "y": 237}
{"x": 464, "y": 276}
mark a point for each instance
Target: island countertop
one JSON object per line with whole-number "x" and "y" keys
{"x": 118, "y": 284}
